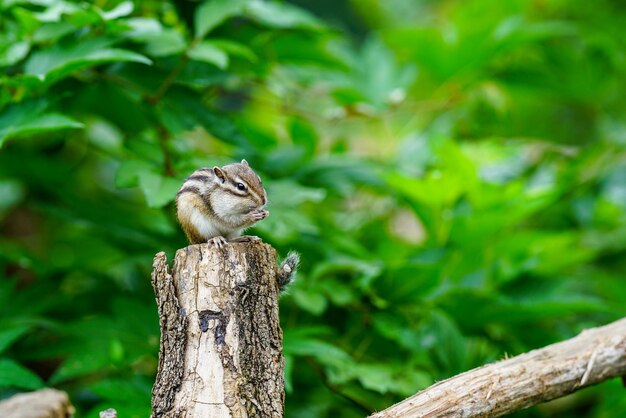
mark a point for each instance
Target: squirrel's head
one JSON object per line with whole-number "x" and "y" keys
{"x": 239, "y": 189}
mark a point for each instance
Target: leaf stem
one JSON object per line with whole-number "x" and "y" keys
{"x": 164, "y": 137}
{"x": 173, "y": 75}
{"x": 169, "y": 80}
{"x": 153, "y": 100}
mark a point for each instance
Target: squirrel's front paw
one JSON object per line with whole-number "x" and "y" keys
{"x": 218, "y": 241}
{"x": 259, "y": 215}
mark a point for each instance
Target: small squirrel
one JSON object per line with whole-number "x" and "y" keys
{"x": 216, "y": 204}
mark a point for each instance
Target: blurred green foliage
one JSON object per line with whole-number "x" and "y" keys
{"x": 453, "y": 173}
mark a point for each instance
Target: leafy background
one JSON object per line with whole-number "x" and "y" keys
{"x": 453, "y": 173}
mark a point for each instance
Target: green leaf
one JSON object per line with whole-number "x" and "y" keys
{"x": 409, "y": 282}
{"x": 9, "y": 336}
{"x": 234, "y": 49}
{"x": 305, "y": 49}
{"x": 407, "y": 382}
{"x": 326, "y": 353}
{"x": 142, "y": 29}
{"x": 61, "y": 60}
{"x": 121, "y": 390}
{"x": 123, "y": 9}
{"x": 14, "y": 53}
{"x": 338, "y": 292}
{"x": 56, "y": 11}
{"x": 376, "y": 377}
{"x": 104, "y": 135}
{"x": 311, "y": 301}
{"x": 13, "y": 374}
{"x": 213, "y": 12}
{"x": 281, "y": 15}
{"x": 516, "y": 30}
{"x": 378, "y": 78}
{"x": 303, "y": 134}
{"x": 434, "y": 190}
{"x": 397, "y": 329}
{"x": 12, "y": 192}
{"x": 164, "y": 43}
{"x": 183, "y": 110}
{"x": 294, "y": 193}
{"x": 82, "y": 363}
{"x": 449, "y": 345}
{"x": 128, "y": 173}
{"x": 53, "y": 31}
{"x": 29, "y": 118}
{"x": 338, "y": 364}
{"x": 286, "y": 225}
{"x": 158, "y": 190}
{"x": 364, "y": 270}
{"x": 207, "y": 51}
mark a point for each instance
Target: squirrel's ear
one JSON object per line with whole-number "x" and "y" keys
{"x": 219, "y": 174}
{"x": 244, "y": 162}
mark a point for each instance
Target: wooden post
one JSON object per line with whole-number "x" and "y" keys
{"x": 221, "y": 343}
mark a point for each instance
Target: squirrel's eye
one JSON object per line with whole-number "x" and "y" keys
{"x": 241, "y": 186}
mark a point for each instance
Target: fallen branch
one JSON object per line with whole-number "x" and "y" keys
{"x": 44, "y": 403}
{"x": 500, "y": 388}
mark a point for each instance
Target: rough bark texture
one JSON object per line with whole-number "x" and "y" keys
{"x": 496, "y": 389}
{"x": 221, "y": 343}
{"x": 173, "y": 322}
{"x": 44, "y": 403}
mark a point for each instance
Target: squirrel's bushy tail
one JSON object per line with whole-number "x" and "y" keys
{"x": 287, "y": 270}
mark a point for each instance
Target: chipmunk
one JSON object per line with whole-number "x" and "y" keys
{"x": 216, "y": 204}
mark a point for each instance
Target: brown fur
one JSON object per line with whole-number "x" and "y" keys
{"x": 191, "y": 199}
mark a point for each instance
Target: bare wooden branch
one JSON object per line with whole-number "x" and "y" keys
{"x": 44, "y": 403}
{"x": 221, "y": 343}
{"x": 496, "y": 389}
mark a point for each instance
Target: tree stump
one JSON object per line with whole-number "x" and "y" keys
{"x": 221, "y": 343}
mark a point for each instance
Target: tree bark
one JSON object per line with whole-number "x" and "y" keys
{"x": 221, "y": 343}
{"x": 496, "y": 389}
{"x": 44, "y": 403}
